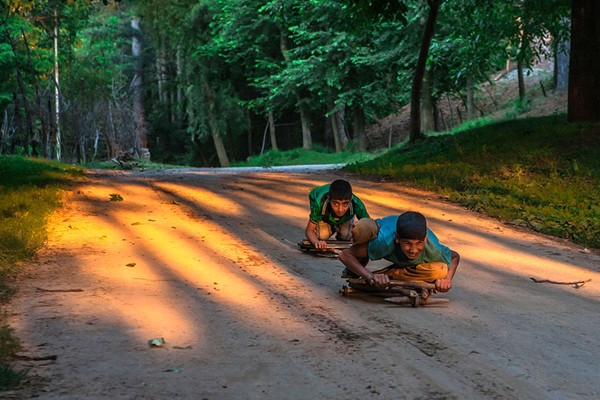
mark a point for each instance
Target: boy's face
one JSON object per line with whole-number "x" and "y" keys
{"x": 412, "y": 248}
{"x": 339, "y": 207}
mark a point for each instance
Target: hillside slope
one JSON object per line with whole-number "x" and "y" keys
{"x": 497, "y": 99}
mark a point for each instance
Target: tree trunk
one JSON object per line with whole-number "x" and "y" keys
{"x": 57, "y": 136}
{"x": 180, "y": 79}
{"x": 213, "y": 124}
{"x": 521, "y": 80}
{"x": 584, "y": 80}
{"x": 427, "y": 117}
{"x": 304, "y": 118}
{"x": 37, "y": 138}
{"x": 305, "y": 121}
{"x": 561, "y": 63}
{"x": 415, "y": 97}
{"x": 161, "y": 74}
{"x": 140, "y": 144}
{"x": 272, "y": 131}
{"x": 28, "y": 131}
{"x": 336, "y": 132}
{"x": 470, "y": 99}
{"x": 360, "y": 137}
{"x": 111, "y": 135}
{"x": 343, "y": 135}
{"x": 18, "y": 126}
{"x": 219, "y": 146}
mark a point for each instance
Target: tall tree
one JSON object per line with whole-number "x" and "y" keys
{"x": 137, "y": 84}
{"x": 417, "y": 83}
{"x": 584, "y": 80}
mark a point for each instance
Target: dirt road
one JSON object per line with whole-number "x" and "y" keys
{"x": 207, "y": 260}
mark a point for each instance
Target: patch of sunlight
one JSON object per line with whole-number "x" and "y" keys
{"x": 207, "y": 199}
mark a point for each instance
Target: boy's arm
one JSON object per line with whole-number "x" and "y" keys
{"x": 356, "y": 258}
{"x": 443, "y": 285}
{"x": 311, "y": 235}
{"x": 360, "y": 210}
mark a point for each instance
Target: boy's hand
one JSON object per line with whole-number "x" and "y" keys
{"x": 443, "y": 285}
{"x": 379, "y": 280}
{"x": 321, "y": 244}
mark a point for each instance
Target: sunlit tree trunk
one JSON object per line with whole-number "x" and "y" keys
{"x": 272, "y": 131}
{"x": 139, "y": 113}
{"x": 57, "y": 137}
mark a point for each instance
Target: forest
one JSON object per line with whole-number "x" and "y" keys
{"x": 208, "y": 82}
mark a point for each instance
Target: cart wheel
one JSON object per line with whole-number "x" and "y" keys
{"x": 414, "y": 301}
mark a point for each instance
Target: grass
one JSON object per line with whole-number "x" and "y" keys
{"x": 542, "y": 173}
{"x": 275, "y": 158}
{"x": 30, "y": 191}
{"x": 129, "y": 165}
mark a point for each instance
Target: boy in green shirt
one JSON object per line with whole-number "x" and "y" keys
{"x": 333, "y": 208}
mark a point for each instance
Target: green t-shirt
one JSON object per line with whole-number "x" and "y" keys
{"x": 320, "y": 210}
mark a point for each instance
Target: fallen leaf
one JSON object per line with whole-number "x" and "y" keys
{"x": 157, "y": 342}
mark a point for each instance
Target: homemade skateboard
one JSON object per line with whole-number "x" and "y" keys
{"x": 333, "y": 247}
{"x": 400, "y": 292}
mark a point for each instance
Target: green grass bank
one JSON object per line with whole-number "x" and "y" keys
{"x": 30, "y": 190}
{"x": 542, "y": 173}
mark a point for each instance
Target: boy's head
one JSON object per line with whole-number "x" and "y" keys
{"x": 365, "y": 230}
{"x": 411, "y": 233}
{"x": 340, "y": 196}
{"x": 340, "y": 190}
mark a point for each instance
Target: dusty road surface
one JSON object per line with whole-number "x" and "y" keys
{"x": 208, "y": 260}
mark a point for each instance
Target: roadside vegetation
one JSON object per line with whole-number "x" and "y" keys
{"x": 318, "y": 155}
{"x": 542, "y": 173}
{"x": 30, "y": 190}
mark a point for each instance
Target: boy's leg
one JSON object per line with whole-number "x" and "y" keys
{"x": 323, "y": 230}
{"x": 426, "y": 272}
{"x": 344, "y": 231}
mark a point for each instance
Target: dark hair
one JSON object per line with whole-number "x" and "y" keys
{"x": 411, "y": 225}
{"x": 340, "y": 190}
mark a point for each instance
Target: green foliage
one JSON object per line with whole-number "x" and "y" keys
{"x": 9, "y": 344}
{"x": 542, "y": 173}
{"x": 10, "y": 378}
{"x": 273, "y": 158}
